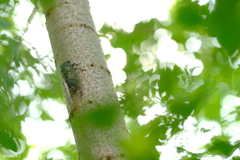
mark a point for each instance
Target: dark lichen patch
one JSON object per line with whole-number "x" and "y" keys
{"x": 90, "y": 102}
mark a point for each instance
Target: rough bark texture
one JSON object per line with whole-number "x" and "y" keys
{"x": 95, "y": 115}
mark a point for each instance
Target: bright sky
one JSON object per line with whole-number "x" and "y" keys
{"x": 125, "y": 14}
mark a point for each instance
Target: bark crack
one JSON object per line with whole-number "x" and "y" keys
{"x": 78, "y": 25}
{"x": 103, "y": 68}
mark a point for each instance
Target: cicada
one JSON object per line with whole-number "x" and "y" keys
{"x": 70, "y": 77}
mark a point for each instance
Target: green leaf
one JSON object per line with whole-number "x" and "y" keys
{"x": 103, "y": 117}
{"x": 5, "y": 23}
{"x": 47, "y": 4}
{"x": 221, "y": 146}
{"x": 7, "y": 141}
{"x": 14, "y": 50}
{"x": 236, "y": 81}
{"x": 107, "y": 56}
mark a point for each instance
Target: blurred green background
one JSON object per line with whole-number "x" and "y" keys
{"x": 179, "y": 88}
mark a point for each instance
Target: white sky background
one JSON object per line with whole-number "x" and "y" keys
{"x": 125, "y": 14}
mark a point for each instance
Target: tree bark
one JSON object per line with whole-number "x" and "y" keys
{"x": 94, "y": 111}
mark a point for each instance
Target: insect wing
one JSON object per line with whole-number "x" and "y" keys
{"x": 66, "y": 88}
{"x": 65, "y": 68}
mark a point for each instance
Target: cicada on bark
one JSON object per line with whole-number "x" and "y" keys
{"x": 70, "y": 77}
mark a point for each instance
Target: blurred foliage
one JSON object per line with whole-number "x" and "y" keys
{"x": 175, "y": 88}
{"x": 20, "y": 63}
{"x": 10, "y": 129}
{"x": 178, "y": 90}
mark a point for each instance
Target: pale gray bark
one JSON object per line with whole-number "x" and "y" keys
{"x": 97, "y": 122}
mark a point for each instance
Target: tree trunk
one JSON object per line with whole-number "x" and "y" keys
{"x": 97, "y": 122}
